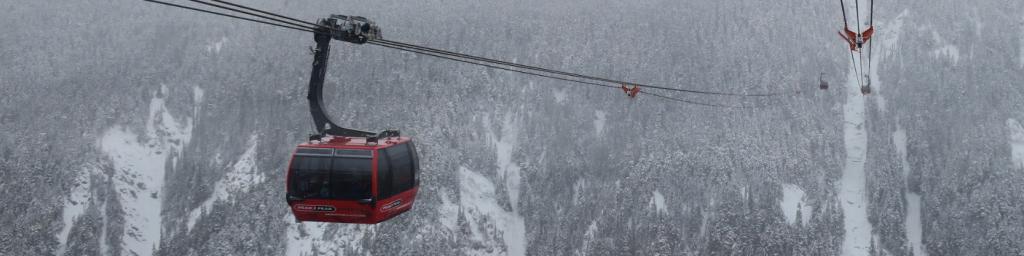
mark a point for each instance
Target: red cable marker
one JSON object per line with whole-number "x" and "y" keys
{"x": 631, "y": 90}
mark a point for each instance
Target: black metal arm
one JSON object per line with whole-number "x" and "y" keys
{"x": 352, "y": 29}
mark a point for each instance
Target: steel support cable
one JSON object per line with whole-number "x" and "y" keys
{"x": 465, "y": 55}
{"x": 228, "y": 15}
{"x": 860, "y": 53}
{"x": 255, "y": 15}
{"x": 871, "y": 43}
{"x": 549, "y": 76}
{"x": 871, "y": 13}
{"x": 842, "y": 6}
{"x": 443, "y": 56}
{"x": 544, "y": 75}
{"x": 856, "y": 8}
{"x": 266, "y": 12}
{"x": 694, "y": 102}
{"x": 499, "y": 62}
{"x": 480, "y": 58}
{"x": 853, "y": 61}
{"x": 487, "y": 65}
{"x": 384, "y": 45}
{"x": 437, "y": 51}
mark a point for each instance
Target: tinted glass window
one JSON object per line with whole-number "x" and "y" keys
{"x": 401, "y": 168}
{"x": 351, "y": 178}
{"x": 309, "y": 174}
{"x": 358, "y": 153}
{"x": 330, "y": 177}
{"x": 415, "y": 163}
{"x": 314, "y": 151}
{"x": 383, "y": 175}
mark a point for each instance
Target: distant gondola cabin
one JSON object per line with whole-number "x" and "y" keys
{"x": 822, "y": 84}
{"x": 352, "y": 179}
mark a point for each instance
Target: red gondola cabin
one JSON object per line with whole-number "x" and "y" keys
{"x": 346, "y": 175}
{"x": 351, "y": 180}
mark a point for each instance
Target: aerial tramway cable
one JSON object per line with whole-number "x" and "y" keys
{"x": 267, "y": 13}
{"x": 292, "y": 23}
{"x": 871, "y": 23}
{"x": 856, "y": 41}
{"x": 229, "y": 15}
{"x": 255, "y": 15}
{"x": 546, "y": 76}
{"x": 566, "y": 73}
{"x": 856, "y": 8}
{"x": 853, "y": 59}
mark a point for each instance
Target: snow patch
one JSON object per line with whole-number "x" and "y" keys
{"x": 214, "y": 47}
{"x": 945, "y": 49}
{"x": 913, "y": 224}
{"x": 1021, "y": 52}
{"x": 140, "y": 163}
{"x": 588, "y": 237}
{"x": 658, "y": 202}
{"x": 313, "y": 238}
{"x": 487, "y": 220}
{"x": 104, "y": 247}
{"x": 948, "y": 51}
{"x": 600, "y": 121}
{"x": 449, "y": 212}
{"x": 1016, "y": 142}
{"x": 242, "y": 176}
{"x": 197, "y": 101}
{"x": 197, "y": 94}
{"x": 899, "y": 138}
{"x": 560, "y": 95}
{"x": 300, "y": 239}
{"x": 891, "y": 29}
{"x": 577, "y": 191}
{"x": 793, "y": 200}
{"x": 504, "y": 146}
{"x": 75, "y": 205}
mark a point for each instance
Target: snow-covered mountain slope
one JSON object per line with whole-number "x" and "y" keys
{"x": 75, "y": 205}
{"x": 152, "y": 131}
{"x": 243, "y": 175}
{"x": 489, "y": 225}
{"x": 140, "y": 164}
